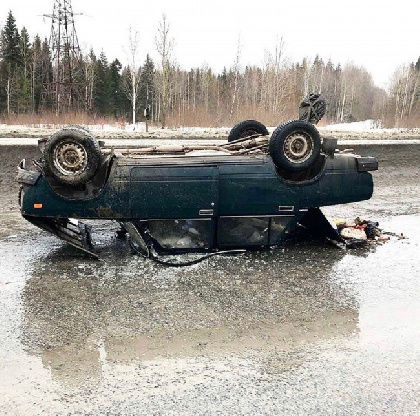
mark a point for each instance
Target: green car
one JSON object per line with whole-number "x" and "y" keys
{"x": 252, "y": 192}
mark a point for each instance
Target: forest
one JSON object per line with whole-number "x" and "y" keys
{"x": 97, "y": 89}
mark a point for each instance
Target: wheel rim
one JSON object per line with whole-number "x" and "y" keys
{"x": 70, "y": 158}
{"x": 298, "y": 147}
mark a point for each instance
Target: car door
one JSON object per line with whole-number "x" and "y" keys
{"x": 174, "y": 192}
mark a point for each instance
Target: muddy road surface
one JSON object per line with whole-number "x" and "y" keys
{"x": 305, "y": 329}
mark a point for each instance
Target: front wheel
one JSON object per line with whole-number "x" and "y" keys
{"x": 295, "y": 145}
{"x": 72, "y": 156}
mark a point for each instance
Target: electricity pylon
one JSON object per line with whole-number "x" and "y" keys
{"x": 66, "y": 57}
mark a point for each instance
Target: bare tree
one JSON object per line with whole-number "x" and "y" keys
{"x": 236, "y": 69}
{"x": 9, "y": 87}
{"x": 164, "y": 46}
{"x": 405, "y": 87}
{"x": 90, "y": 77}
{"x": 131, "y": 85}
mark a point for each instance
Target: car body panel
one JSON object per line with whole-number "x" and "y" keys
{"x": 138, "y": 190}
{"x": 174, "y": 191}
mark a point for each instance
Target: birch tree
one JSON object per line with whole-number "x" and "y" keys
{"x": 405, "y": 89}
{"x": 164, "y": 45}
{"x": 131, "y": 85}
{"x": 236, "y": 68}
{"x": 90, "y": 75}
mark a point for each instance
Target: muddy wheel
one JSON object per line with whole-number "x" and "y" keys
{"x": 72, "y": 156}
{"x": 247, "y": 128}
{"x": 295, "y": 145}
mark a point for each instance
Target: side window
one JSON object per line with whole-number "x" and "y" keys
{"x": 253, "y": 231}
{"x": 279, "y": 228}
{"x": 248, "y": 231}
{"x": 180, "y": 234}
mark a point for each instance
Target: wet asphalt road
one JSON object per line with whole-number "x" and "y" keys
{"x": 303, "y": 330}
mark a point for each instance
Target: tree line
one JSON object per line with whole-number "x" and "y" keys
{"x": 174, "y": 96}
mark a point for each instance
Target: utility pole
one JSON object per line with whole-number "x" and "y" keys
{"x": 65, "y": 55}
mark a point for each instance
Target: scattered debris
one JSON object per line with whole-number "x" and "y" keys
{"x": 350, "y": 233}
{"x": 361, "y": 232}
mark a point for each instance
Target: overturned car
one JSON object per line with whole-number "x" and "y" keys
{"x": 251, "y": 192}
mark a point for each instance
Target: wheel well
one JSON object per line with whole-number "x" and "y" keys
{"x": 305, "y": 175}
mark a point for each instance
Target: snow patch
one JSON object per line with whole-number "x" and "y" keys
{"x": 356, "y": 126}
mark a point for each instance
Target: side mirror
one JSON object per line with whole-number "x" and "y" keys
{"x": 41, "y": 144}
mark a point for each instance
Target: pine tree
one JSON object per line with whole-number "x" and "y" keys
{"x": 10, "y": 51}
{"x": 101, "y": 93}
{"x": 24, "y": 94}
{"x": 25, "y": 50}
{"x": 11, "y": 60}
{"x": 46, "y": 74}
{"x": 146, "y": 88}
{"x": 117, "y": 99}
{"x": 36, "y": 73}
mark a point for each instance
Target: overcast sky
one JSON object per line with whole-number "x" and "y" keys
{"x": 375, "y": 34}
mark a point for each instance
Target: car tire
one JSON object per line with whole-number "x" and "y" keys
{"x": 77, "y": 127}
{"x": 72, "y": 156}
{"x": 295, "y": 145}
{"x": 247, "y": 128}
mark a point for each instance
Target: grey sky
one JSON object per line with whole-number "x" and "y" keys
{"x": 372, "y": 34}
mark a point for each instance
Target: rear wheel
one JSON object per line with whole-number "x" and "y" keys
{"x": 295, "y": 145}
{"x": 77, "y": 127}
{"x": 247, "y": 128}
{"x": 72, "y": 156}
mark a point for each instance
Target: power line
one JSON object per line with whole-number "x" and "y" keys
{"x": 66, "y": 56}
